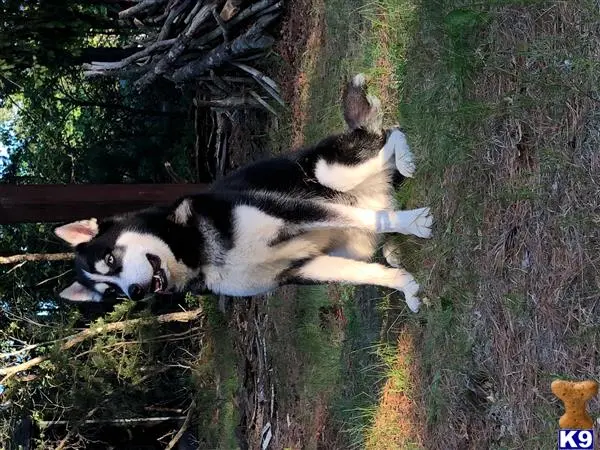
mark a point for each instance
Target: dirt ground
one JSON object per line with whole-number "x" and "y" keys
{"x": 266, "y": 406}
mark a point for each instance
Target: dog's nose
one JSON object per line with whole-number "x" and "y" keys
{"x": 136, "y": 292}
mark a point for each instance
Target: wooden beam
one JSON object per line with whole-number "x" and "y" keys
{"x": 63, "y": 203}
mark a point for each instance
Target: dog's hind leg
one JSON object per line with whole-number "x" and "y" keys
{"x": 344, "y": 162}
{"x": 363, "y": 111}
{"x": 324, "y": 269}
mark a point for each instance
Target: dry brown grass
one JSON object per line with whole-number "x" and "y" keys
{"x": 302, "y": 36}
{"x": 398, "y": 421}
{"x": 535, "y": 311}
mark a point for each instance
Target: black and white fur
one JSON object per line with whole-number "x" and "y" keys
{"x": 311, "y": 217}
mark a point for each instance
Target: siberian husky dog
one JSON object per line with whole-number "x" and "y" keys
{"x": 311, "y": 217}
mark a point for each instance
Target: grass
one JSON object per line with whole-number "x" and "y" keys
{"x": 306, "y": 348}
{"x": 485, "y": 102}
{"x": 318, "y": 344}
{"x": 362, "y": 365}
{"x": 498, "y": 100}
{"x": 216, "y": 382}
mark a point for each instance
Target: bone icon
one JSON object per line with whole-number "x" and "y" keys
{"x": 575, "y": 395}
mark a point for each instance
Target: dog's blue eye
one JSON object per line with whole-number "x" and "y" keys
{"x": 109, "y": 259}
{"x": 110, "y": 291}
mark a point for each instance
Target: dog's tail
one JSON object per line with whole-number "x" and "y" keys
{"x": 360, "y": 109}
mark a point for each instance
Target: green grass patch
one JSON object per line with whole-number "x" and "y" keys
{"x": 370, "y": 38}
{"x": 355, "y": 404}
{"x": 319, "y": 347}
{"x": 216, "y": 382}
{"x": 444, "y": 123}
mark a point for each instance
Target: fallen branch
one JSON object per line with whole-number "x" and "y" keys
{"x": 184, "y": 427}
{"x": 116, "y": 422}
{"x": 173, "y": 14}
{"x": 251, "y": 40}
{"x": 95, "y": 65}
{"x": 177, "y": 50}
{"x": 75, "y": 339}
{"x": 139, "y": 8}
{"x": 264, "y": 81}
{"x": 29, "y": 257}
{"x": 263, "y": 7}
{"x": 181, "y": 44}
{"x": 228, "y": 103}
{"x": 263, "y": 103}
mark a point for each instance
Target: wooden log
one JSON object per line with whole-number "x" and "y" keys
{"x": 139, "y": 8}
{"x": 176, "y": 50}
{"x": 33, "y": 257}
{"x": 255, "y": 8}
{"x": 61, "y": 203}
{"x": 251, "y": 41}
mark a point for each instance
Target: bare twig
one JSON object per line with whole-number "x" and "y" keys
{"x": 184, "y": 427}
{"x": 263, "y": 103}
{"x": 116, "y": 422}
{"x": 229, "y": 102}
{"x": 35, "y": 257}
{"x": 251, "y": 41}
{"x": 65, "y": 440}
{"x": 53, "y": 278}
{"x": 219, "y": 140}
{"x": 264, "y": 81}
{"x": 15, "y": 267}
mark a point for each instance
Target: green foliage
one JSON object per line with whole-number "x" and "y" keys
{"x": 48, "y": 34}
{"x": 70, "y": 129}
{"x": 59, "y": 127}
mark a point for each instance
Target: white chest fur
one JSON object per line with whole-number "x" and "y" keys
{"x": 249, "y": 268}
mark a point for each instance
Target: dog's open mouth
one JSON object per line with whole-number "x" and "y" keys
{"x": 159, "y": 281}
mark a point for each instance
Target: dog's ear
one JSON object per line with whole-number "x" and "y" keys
{"x": 77, "y": 292}
{"x": 78, "y": 232}
{"x": 182, "y": 213}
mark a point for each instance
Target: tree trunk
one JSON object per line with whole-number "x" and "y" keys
{"x": 35, "y": 257}
{"x": 62, "y": 203}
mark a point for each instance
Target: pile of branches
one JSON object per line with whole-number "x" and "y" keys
{"x": 210, "y": 42}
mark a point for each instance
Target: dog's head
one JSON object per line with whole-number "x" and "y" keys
{"x": 127, "y": 255}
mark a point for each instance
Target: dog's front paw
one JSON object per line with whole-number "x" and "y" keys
{"x": 420, "y": 225}
{"x": 417, "y": 222}
{"x": 405, "y": 160}
{"x": 410, "y": 288}
{"x": 412, "y": 301}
